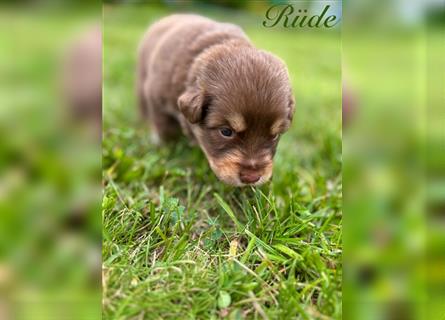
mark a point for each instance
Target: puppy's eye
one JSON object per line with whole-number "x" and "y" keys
{"x": 226, "y": 132}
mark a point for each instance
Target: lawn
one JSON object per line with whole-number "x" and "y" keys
{"x": 177, "y": 243}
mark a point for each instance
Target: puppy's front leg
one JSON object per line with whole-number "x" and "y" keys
{"x": 186, "y": 130}
{"x": 164, "y": 126}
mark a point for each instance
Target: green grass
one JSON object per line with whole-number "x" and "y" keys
{"x": 177, "y": 243}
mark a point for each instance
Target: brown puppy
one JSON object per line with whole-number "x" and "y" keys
{"x": 231, "y": 98}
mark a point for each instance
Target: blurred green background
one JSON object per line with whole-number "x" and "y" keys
{"x": 394, "y": 224}
{"x": 50, "y": 191}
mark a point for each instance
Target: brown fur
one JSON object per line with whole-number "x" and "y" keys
{"x": 202, "y": 76}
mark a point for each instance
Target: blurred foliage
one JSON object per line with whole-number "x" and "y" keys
{"x": 392, "y": 231}
{"x": 50, "y": 229}
{"x": 235, "y": 4}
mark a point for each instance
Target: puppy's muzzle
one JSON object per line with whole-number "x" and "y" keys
{"x": 252, "y": 172}
{"x": 249, "y": 176}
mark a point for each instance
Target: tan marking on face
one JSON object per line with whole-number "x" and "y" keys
{"x": 214, "y": 120}
{"x": 237, "y": 122}
{"x": 266, "y": 175}
{"x": 226, "y": 168}
{"x": 277, "y": 127}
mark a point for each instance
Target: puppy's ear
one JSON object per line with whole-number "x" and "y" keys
{"x": 191, "y": 103}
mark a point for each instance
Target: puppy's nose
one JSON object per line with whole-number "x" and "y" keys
{"x": 249, "y": 177}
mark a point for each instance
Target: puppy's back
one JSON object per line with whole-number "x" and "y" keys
{"x": 170, "y": 46}
{"x": 158, "y": 30}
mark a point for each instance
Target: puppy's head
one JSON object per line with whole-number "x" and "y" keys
{"x": 238, "y": 103}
